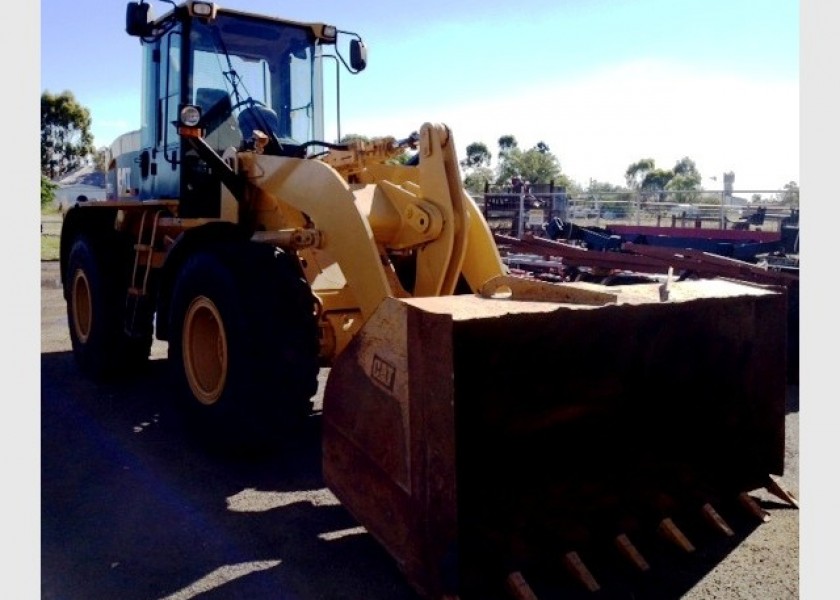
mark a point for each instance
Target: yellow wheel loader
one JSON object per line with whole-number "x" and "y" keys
{"x": 261, "y": 253}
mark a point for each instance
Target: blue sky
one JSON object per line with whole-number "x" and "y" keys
{"x": 603, "y": 83}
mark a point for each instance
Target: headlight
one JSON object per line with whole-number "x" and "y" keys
{"x": 206, "y": 10}
{"x": 190, "y": 115}
{"x": 329, "y": 33}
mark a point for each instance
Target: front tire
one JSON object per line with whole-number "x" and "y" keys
{"x": 243, "y": 344}
{"x": 95, "y": 289}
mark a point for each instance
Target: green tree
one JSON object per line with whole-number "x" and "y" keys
{"x": 790, "y": 195}
{"x": 596, "y": 186}
{"x": 687, "y": 168}
{"x": 65, "y": 133}
{"x": 538, "y": 166}
{"x": 508, "y": 155}
{"x": 506, "y": 144}
{"x": 48, "y": 189}
{"x": 476, "y": 166}
{"x": 508, "y": 166}
{"x": 684, "y": 178}
{"x": 478, "y": 155}
{"x": 353, "y": 137}
{"x": 636, "y": 172}
{"x": 685, "y": 187}
{"x": 656, "y": 181}
{"x": 400, "y": 159}
{"x": 101, "y": 160}
{"x": 477, "y": 179}
{"x": 646, "y": 178}
{"x": 612, "y": 198}
{"x": 608, "y": 191}
{"x": 686, "y": 181}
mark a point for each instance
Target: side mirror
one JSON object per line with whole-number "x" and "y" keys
{"x": 138, "y": 19}
{"x": 358, "y": 55}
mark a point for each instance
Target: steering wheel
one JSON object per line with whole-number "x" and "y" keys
{"x": 250, "y": 102}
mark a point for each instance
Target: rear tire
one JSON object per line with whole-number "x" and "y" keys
{"x": 95, "y": 289}
{"x": 243, "y": 344}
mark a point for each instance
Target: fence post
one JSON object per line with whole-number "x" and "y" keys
{"x": 638, "y": 209}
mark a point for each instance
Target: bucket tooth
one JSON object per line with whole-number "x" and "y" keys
{"x": 580, "y": 571}
{"x": 518, "y": 587}
{"x": 752, "y": 506}
{"x": 774, "y": 486}
{"x": 716, "y": 520}
{"x": 629, "y": 551}
{"x": 672, "y": 533}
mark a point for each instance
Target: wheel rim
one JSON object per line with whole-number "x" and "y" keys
{"x": 205, "y": 350}
{"x": 82, "y": 306}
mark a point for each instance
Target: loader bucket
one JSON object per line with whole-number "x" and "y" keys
{"x": 478, "y": 438}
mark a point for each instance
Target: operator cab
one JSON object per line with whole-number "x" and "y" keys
{"x": 243, "y": 80}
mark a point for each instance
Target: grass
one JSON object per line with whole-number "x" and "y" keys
{"x": 49, "y": 247}
{"x": 50, "y": 239}
{"x": 50, "y": 210}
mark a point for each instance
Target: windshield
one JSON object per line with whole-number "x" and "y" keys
{"x": 257, "y": 74}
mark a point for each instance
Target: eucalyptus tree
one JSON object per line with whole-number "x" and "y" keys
{"x": 65, "y": 133}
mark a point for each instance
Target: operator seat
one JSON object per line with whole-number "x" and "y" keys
{"x": 221, "y": 128}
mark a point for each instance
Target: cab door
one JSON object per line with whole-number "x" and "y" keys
{"x": 159, "y": 158}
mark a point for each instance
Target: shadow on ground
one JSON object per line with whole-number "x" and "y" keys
{"x": 134, "y": 508}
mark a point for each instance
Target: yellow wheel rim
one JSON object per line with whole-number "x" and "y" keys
{"x": 205, "y": 350}
{"x": 82, "y": 306}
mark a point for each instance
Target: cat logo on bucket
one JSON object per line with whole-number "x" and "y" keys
{"x": 383, "y": 373}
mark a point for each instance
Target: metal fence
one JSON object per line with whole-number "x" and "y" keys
{"x": 518, "y": 213}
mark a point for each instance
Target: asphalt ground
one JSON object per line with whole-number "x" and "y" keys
{"x": 134, "y": 508}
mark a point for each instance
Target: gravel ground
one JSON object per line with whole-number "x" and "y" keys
{"x": 766, "y": 564}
